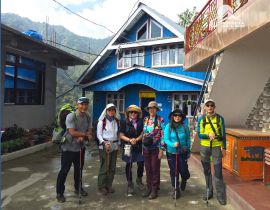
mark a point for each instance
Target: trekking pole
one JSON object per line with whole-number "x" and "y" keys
{"x": 80, "y": 176}
{"x": 208, "y": 178}
{"x": 175, "y": 175}
{"x": 129, "y": 173}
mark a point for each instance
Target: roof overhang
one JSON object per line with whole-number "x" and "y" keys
{"x": 16, "y": 41}
{"x": 153, "y": 71}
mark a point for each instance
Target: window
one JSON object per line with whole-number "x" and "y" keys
{"x": 129, "y": 58}
{"x": 149, "y": 30}
{"x": 24, "y": 81}
{"x": 118, "y": 99}
{"x": 186, "y": 101}
{"x": 167, "y": 56}
{"x": 155, "y": 30}
{"x": 142, "y": 32}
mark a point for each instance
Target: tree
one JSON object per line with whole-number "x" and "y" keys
{"x": 186, "y": 17}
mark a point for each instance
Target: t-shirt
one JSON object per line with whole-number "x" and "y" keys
{"x": 80, "y": 123}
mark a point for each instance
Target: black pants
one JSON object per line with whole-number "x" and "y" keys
{"x": 67, "y": 158}
{"x": 140, "y": 168}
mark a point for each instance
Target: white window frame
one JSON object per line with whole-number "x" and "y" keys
{"x": 147, "y": 31}
{"x": 168, "y": 58}
{"x": 129, "y": 57}
{"x": 118, "y": 100}
{"x": 180, "y": 94}
{"x": 150, "y": 29}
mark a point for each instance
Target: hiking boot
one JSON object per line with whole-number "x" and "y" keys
{"x": 221, "y": 200}
{"x": 147, "y": 192}
{"x": 130, "y": 189}
{"x": 83, "y": 192}
{"x": 176, "y": 193}
{"x": 209, "y": 196}
{"x": 110, "y": 190}
{"x": 153, "y": 194}
{"x": 139, "y": 183}
{"x": 103, "y": 191}
{"x": 60, "y": 198}
{"x": 183, "y": 184}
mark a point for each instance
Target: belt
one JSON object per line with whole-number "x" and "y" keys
{"x": 114, "y": 141}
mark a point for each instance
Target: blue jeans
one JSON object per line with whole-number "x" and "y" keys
{"x": 182, "y": 168}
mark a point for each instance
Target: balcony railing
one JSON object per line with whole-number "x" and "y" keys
{"x": 213, "y": 13}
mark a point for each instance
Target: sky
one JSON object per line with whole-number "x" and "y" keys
{"x": 110, "y": 13}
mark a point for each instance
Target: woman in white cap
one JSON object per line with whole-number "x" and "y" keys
{"x": 153, "y": 133}
{"x": 107, "y": 134}
{"x": 131, "y": 136}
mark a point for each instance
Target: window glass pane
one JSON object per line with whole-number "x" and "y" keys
{"x": 164, "y": 54}
{"x": 141, "y": 57}
{"x": 142, "y": 33}
{"x": 134, "y": 57}
{"x": 185, "y": 97}
{"x": 180, "y": 56}
{"x": 185, "y": 108}
{"x": 194, "y": 97}
{"x": 121, "y": 106}
{"x": 127, "y": 59}
{"x": 172, "y": 52}
{"x": 9, "y": 84}
{"x": 120, "y": 60}
{"x": 27, "y": 86}
{"x": 156, "y": 57}
{"x": 155, "y": 30}
{"x": 11, "y": 58}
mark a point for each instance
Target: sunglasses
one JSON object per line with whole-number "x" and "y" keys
{"x": 210, "y": 105}
{"x": 177, "y": 115}
{"x": 133, "y": 112}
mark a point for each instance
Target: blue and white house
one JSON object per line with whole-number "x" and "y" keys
{"x": 143, "y": 62}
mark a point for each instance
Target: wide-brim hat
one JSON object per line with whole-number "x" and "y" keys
{"x": 178, "y": 111}
{"x": 152, "y": 104}
{"x": 135, "y": 109}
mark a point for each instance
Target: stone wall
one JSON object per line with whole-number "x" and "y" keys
{"x": 259, "y": 118}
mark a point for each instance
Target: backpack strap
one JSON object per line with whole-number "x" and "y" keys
{"x": 104, "y": 124}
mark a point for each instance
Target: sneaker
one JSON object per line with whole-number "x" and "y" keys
{"x": 60, "y": 198}
{"x": 103, "y": 191}
{"x": 221, "y": 200}
{"x": 177, "y": 194}
{"x": 110, "y": 190}
{"x": 83, "y": 192}
{"x": 209, "y": 196}
{"x": 183, "y": 185}
{"x": 139, "y": 183}
{"x": 130, "y": 189}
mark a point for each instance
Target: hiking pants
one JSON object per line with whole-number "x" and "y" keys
{"x": 140, "y": 167}
{"x": 107, "y": 168}
{"x": 182, "y": 168}
{"x": 67, "y": 158}
{"x": 216, "y": 154}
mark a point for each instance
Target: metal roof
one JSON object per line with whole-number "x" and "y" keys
{"x": 16, "y": 40}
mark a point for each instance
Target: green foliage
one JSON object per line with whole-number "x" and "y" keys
{"x": 13, "y": 133}
{"x": 186, "y": 17}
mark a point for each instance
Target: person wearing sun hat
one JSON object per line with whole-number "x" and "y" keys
{"x": 131, "y": 136}
{"x": 108, "y": 136}
{"x": 177, "y": 141}
{"x": 211, "y": 131}
{"x": 152, "y": 135}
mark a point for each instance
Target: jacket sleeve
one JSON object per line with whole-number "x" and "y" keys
{"x": 223, "y": 131}
{"x": 100, "y": 131}
{"x": 188, "y": 136}
{"x": 167, "y": 134}
{"x": 200, "y": 129}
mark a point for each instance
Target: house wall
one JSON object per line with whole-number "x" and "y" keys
{"x": 33, "y": 116}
